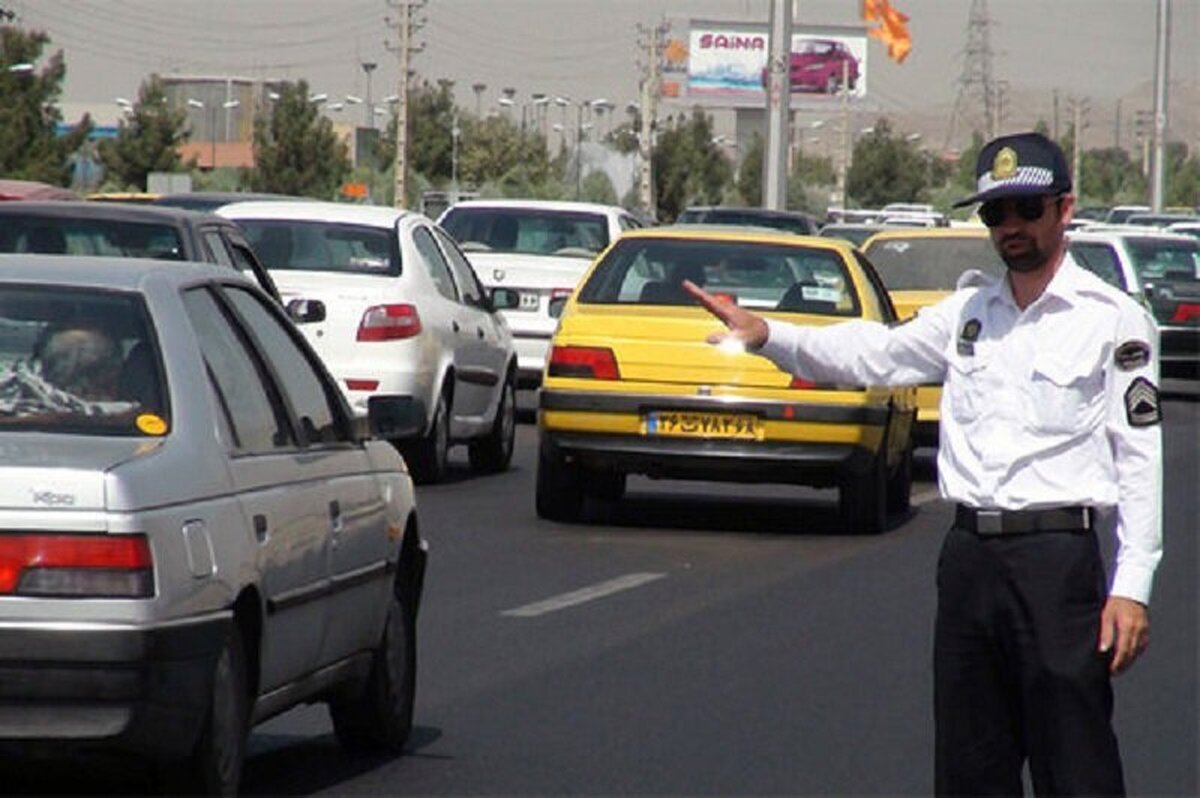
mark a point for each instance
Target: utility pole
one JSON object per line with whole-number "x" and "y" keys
{"x": 1079, "y": 110}
{"x": 774, "y": 190}
{"x": 844, "y": 160}
{"x": 651, "y": 40}
{"x": 1161, "y": 59}
{"x": 405, "y": 26}
{"x": 975, "y": 84}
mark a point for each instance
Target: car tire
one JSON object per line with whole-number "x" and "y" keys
{"x": 380, "y": 717}
{"x": 427, "y": 456}
{"x": 492, "y": 453}
{"x": 215, "y": 764}
{"x": 559, "y": 493}
{"x": 899, "y": 484}
{"x": 862, "y": 499}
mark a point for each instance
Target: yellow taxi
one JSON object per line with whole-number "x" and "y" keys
{"x": 921, "y": 266}
{"x": 631, "y": 386}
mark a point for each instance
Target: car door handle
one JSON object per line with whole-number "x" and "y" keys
{"x": 335, "y": 517}
{"x": 260, "y": 527}
{"x": 479, "y": 332}
{"x": 454, "y": 326}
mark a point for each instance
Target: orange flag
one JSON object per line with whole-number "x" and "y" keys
{"x": 890, "y": 27}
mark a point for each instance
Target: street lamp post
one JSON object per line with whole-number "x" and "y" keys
{"x": 369, "y": 67}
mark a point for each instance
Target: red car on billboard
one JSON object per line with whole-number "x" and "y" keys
{"x": 819, "y": 65}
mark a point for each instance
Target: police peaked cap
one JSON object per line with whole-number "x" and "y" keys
{"x": 1019, "y": 165}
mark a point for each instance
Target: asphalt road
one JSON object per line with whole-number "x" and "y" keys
{"x": 698, "y": 639}
{"x": 701, "y": 639}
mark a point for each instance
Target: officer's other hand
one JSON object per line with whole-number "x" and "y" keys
{"x": 741, "y": 325}
{"x": 1125, "y": 630}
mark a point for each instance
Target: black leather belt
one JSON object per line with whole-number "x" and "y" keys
{"x": 1017, "y": 522}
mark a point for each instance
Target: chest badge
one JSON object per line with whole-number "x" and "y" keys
{"x": 968, "y": 337}
{"x": 1132, "y": 355}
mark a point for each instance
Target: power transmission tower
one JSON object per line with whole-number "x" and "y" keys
{"x": 406, "y": 26}
{"x": 650, "y": 42}
{"x": 977, "y": 84}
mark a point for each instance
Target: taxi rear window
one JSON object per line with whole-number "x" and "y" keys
{"x": 798, "y": 279}
{"x": 931, "y": 264}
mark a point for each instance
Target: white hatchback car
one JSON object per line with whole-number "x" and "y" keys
{"x": 539, "y": 247}
{"x": 393, "y": 308}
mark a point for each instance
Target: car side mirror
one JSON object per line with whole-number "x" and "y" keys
{"x": 306, "y": 311}
{"x": 395, "y": 417}
{"x": 504, "y": 298}
{"x": 555, "y": 309}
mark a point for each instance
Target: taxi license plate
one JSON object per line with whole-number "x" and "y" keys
{"x": 529, "y": 300}
{"x": 701, "y": 425}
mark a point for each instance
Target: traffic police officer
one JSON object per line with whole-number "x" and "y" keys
{"x": 1050, "y": 433}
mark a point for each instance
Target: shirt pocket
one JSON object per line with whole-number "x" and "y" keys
{"x": 965, "y": 393}
{"x": 1065, "y": 395}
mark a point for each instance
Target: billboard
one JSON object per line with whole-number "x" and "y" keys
{"x": 726, "y": 64}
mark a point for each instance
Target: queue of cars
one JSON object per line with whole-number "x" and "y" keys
{"x": 230, "y": 530}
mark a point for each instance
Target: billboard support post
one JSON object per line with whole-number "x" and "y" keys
{"x": 778, "y": 94}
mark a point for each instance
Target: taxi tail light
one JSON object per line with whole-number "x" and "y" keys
{"x": 76, "y": 566}
{"x": 389, "y": 323}
{"x": 801, "y": 384}
{"x": 564, "y": 293}
{"x": 596, "y": 362}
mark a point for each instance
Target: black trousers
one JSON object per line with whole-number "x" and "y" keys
{"x": 1017, "y": 673}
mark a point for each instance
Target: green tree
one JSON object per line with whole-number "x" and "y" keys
{"x": 1182, "y": 177}
{"x": 30, "y": 149}
{"x": 148, "y": 141}
{"x": 750, "y": 172}
{"x": 495, "y": 151}
{"x": 1108, "y": 176}
{"x": 886, "y": 168}
{"x": 295, "y": 149}
{"x": 431, "y": 118}
{"x": 689, "y": 169}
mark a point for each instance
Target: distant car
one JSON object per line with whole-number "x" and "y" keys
{"x": 1118, "y": 214}
{"x": 921, "y": 267}
{"x": 200, "y": 544}
{"x": 393, "y": 307}
{"x": 855, "y": 233}
{"x": 633, "y": 388}
{"x": 17, "y": 190}
{"x": 128, "y": 231}
{"x": 796, "y": 222}
{"x": 1161, "y": 219}
{"x": 821, "y": 65}
{"x": 538, "y": 248}
{"x": 1185, "y": 228}
{"x": 131, "y": 197}
{"x": 1160, "y": 270}
{"x": 211, "y": 200}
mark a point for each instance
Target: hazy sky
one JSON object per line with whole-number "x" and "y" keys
{"x": 1095, "y": 49}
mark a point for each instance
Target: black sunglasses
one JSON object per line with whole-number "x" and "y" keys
{"x": 1029, "y": 208}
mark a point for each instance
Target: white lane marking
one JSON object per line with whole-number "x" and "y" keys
{"x": 575, "y": 597}
{"x": 925, "y": 496}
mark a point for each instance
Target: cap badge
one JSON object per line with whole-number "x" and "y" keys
{"x": 1005, "y": 164}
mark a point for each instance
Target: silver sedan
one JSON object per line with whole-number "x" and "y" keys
{"x": 194, "y": 533}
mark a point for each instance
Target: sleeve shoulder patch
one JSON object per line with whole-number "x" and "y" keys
{"x": 1132, "y": 355}
{"x": 1142, "y": 408}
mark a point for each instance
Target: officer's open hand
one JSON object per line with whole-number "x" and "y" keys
{"x": 1124, "y": 630}
{"x": 741, "y": 325}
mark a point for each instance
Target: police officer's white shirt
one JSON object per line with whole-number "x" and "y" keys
{"x": 1033, "y": 410}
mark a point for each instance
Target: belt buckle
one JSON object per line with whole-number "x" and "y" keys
{"x": 989, "y": 522}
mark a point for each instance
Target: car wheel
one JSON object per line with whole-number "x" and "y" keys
{"x": 492, "y": 453}
{"x": 862, "y": 499}
{"x": 427, "y": 457}
{"x": 215, "y": 765}
{"x": 559, "y": 494}
{"x": 899, "y": 484}
{"x": 606, "y": 486}
{"x": 380, "y": 717}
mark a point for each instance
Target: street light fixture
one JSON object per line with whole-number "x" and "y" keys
{"x": 24, "y": 68}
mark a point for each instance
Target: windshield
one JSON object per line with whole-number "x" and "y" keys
{"x": 930, "y": 264}
{"x": 315, "y": 246}
{"x": 1156, "y": 260}
{"x": 82, "y": 362}
{"x": 646, "y": 271}
{"x": 530, "y": 231}
{"x": 66, "y": 236}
